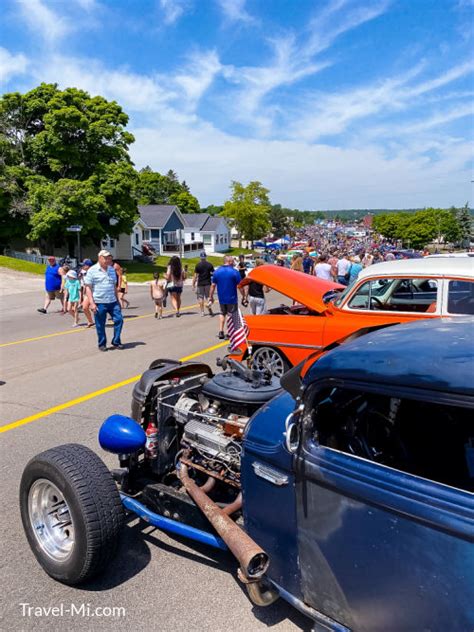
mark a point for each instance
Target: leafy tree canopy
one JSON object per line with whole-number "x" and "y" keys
{"x": 64, "y": 160}
{"x": 420, "y": 228}
{"x": 249, "y": 209}
{"x": 154, "y": 188}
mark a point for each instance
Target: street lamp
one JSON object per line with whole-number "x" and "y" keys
{"x": 76, "y": 228}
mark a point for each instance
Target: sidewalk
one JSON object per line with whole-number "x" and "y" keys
{"x": 14, "y": 282}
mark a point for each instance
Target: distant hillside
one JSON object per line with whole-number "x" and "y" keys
{"x": 359, "y": 213}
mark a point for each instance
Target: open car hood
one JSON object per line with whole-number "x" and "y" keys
{"x": 302, "y": 288}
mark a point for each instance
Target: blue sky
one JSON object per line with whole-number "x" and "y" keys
{"x": 330, "y": 104}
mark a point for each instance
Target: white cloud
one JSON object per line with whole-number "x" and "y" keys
{"x": 11, "y": 64}
{"x": 234, "y": 11}
{"x": 173, "y": 9}
{"x": 134, "y": 92}
{"x": 334, "y": 113}
{"x": 303, "y": 175}
{"x": 197, "y": 77}
{"x": 294, "y": 59}
{"x": 43, "y": 21}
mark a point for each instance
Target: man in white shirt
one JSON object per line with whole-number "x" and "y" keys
{"x": 343, "y": 266}
{"x": 323, "y": 269}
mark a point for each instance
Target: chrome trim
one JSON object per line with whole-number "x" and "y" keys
{"x": 283, "y": 344}
{"x": 270, "y": 474}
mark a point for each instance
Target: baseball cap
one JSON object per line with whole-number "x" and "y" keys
{"x": 202, "y": 255}
{"x": 104, "y": 253}
{"x": 87, "y": 262}
{"x": 72, "y": 274}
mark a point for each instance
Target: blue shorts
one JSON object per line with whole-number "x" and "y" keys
{"x": 175, "y": 290}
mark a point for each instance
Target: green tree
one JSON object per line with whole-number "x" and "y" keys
{"x": 64, "y": 157}
{"x": 92, "y": 203}
{"x": 186, "y": 202}
{"x": 155, "y": 188}
{"x": 248, "y": 209}
{"x": 464, "y": 222}
{"x": 279, "y": 220}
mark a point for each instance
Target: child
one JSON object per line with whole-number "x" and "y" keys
{"x": 72, "y": 288}
{"x": 123, "y": 289}
{"x": 157, "y": 293}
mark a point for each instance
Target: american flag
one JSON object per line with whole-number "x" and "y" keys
{"x": 237, "y": 329}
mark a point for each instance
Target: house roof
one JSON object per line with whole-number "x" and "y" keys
{"x": 212, "y": 223}
{"x": 195, "y": 220}
{"x": 156, "y": 215}
{"x": 202, "y": 221}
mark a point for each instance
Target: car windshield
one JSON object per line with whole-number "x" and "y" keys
{"x": 340, "y": 297}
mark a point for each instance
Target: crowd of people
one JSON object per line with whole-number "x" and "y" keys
{"x": 100, "y": 290}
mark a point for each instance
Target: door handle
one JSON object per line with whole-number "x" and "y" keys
{"x": 270, "y": 474}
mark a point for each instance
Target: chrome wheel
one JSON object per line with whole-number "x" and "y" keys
{"x": 51, "y": 520}
{"x": 270, "y": 359}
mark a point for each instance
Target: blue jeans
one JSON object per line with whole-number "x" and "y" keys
{"x": 342, "y": 280}
{"x": 100, "y": 318}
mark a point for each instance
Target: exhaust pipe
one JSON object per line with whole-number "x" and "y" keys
{"x": 252, "y": 559}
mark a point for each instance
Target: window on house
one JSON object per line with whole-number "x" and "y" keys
{"x": 137, "y": 239}
{"x": 207, "y": 240}
{"x": 143, "y": 235}
{"x": 112, "y": 243}
{"x": 192, "y": 236}
{"x": 155, "y": 234}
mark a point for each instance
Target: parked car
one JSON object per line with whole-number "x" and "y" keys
{"x": 349, "y": 494}
{"x": 386, "y": 293}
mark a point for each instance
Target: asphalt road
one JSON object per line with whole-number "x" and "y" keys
{"x": 55, "y": 388}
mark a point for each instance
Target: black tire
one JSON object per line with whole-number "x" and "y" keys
{"x": 93, "y": 505}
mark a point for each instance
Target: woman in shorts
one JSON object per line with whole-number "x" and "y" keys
{"x": 175, "y": 277}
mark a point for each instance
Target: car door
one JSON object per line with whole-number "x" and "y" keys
{"x": 379, "y": 548}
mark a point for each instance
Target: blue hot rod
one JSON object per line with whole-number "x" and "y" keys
{"x": 348, "y": 491}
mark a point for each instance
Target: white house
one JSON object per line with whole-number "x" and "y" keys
{"x": 212, "y": 231}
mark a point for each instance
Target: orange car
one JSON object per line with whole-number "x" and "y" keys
{"x": 385, "y": 293}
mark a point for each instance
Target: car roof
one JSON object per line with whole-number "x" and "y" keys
{"x": 435, "y": 267}
{"x": 435, "y": 354}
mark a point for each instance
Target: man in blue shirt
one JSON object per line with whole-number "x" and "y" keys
{"x": 225, "y": 279}
{"x": 52, "y": 285}
{"x": 101, "y": 289}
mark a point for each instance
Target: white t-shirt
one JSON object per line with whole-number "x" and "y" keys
{"x": 323, "y": 271}
{"x": 343, "y": 266}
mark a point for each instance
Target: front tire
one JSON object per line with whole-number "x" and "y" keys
{"x": 271, "y": 359}
{"x": 71, "y": 512}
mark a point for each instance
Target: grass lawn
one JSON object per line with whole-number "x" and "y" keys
{"x": 22, "y": 266}
{"x": 136, "y": 272}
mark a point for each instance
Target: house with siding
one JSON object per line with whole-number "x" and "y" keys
{"x": 160, "y": 225}
{"x": 212, "y": 231}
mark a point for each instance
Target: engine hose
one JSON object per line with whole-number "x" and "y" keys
{"x": 252, "y": 559}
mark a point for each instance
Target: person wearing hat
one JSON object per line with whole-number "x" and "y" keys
{"x": 72, "y": 293}
{"x": 52, "y": 285}
{"x": 202, "y": 281}
{"x": 101, "y": 290}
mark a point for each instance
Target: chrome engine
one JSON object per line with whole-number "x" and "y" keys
{"x": 202, "y": 419}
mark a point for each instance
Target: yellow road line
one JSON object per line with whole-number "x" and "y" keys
{"x": 82, "y": 329}
{"x": 102, "y": 391}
